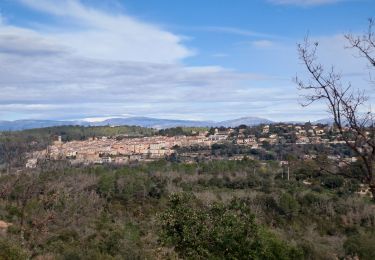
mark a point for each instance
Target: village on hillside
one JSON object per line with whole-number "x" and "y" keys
{"x": 124, "y": 149}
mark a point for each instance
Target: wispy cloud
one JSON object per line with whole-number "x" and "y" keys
{"x": 234, "y": 30}
{"x": 262, "y": 44}
{"x": 304, "y": 2}
{"x": 108, "y": 65}
{"x": 100, "y": 64}
{"x": 87, "y": 63}
{"x": 100, "y": 35}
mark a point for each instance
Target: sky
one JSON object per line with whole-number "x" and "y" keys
{"x": 197, "y": 60}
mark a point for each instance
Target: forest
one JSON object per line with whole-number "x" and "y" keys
{"x": 223, "y": 209}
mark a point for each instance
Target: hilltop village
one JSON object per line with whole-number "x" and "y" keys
{"x": 125, "y": 149}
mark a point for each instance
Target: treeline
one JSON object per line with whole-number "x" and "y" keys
{"x": 69, "y": 133}
{"x": 176, "y": 131}
{"x": 163, "y": 210}
{"x": 44, "y": 136}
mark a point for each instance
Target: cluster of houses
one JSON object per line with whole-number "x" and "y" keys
{"x": 315, "y": 135}
{"x": 111, "y": 150}
{"x": 298, "y": 134}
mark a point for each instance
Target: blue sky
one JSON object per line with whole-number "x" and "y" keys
{"x": 204, "y": 60}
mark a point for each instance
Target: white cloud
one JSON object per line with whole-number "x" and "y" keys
{"x": 99, "y": 35}
{"x": 41, "y": 78}
{"x": 263, "y": 44}
{"x": 115, "y": 65}
{"x": 66, "y": 86}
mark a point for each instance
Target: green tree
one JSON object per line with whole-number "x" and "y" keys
{"x": 289, "y": 205}
{"x": 219, "y": 232}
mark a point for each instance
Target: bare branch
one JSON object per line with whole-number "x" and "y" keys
{"x": 344, "y": 104}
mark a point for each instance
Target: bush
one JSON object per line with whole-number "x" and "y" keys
{"x": 10, "y": 251}
{"x": 361, "y": 245}
{"x": 333, "y": 182}
{"x": 219, "y": 232}
{"x": 288, "y": 205}
{"x": 106, "y": 185}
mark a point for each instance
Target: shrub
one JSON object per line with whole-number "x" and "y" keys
{"x": 219, "y": 232}
{"x": 10, "y": 251}
{"x": 333, "y": 182}
{"x": 288, "y": 205}
{"x": 361, "y": 245}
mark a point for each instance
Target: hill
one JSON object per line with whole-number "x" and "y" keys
{"x": 148, "y": 122}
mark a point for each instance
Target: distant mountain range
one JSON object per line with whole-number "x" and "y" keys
{"x": 250, "y": 121}
{"x": 137, "y": 121}
{"x": 30, "y": 124}
{"x": 152, "y": 122}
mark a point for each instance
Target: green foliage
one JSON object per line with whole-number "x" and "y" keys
{"x": 108, "y": 212}
{"x": 333, "y": 181}
{"x": 361, "y": 245}
{"x": 175, "y": 131}
{"x": 219, "y": 232}
{"x": 11, "y": 251}
{"x": 43, "y": 136}
{"x": 288, "y": 205}
{"x": 106, "y": 185}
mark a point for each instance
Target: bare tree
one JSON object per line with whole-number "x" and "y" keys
{"x": 48, "y": 203}
{"x": 365, "y": 44}
{"x": 349, "y": 107}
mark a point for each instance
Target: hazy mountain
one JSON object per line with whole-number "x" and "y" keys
{"x": 325, "y": 121}
{"x": 138, "y": 121}
{"x": 30, "y": 124}
{"x": 153, "y": 122}
{"x": 330, "y": 121}
{"x": 250, "y": 121}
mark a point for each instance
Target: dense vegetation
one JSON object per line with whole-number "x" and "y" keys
{"x": 219, "y": 209}
{"x": 69, "y": 133}
{"x": 175, "y": 131}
